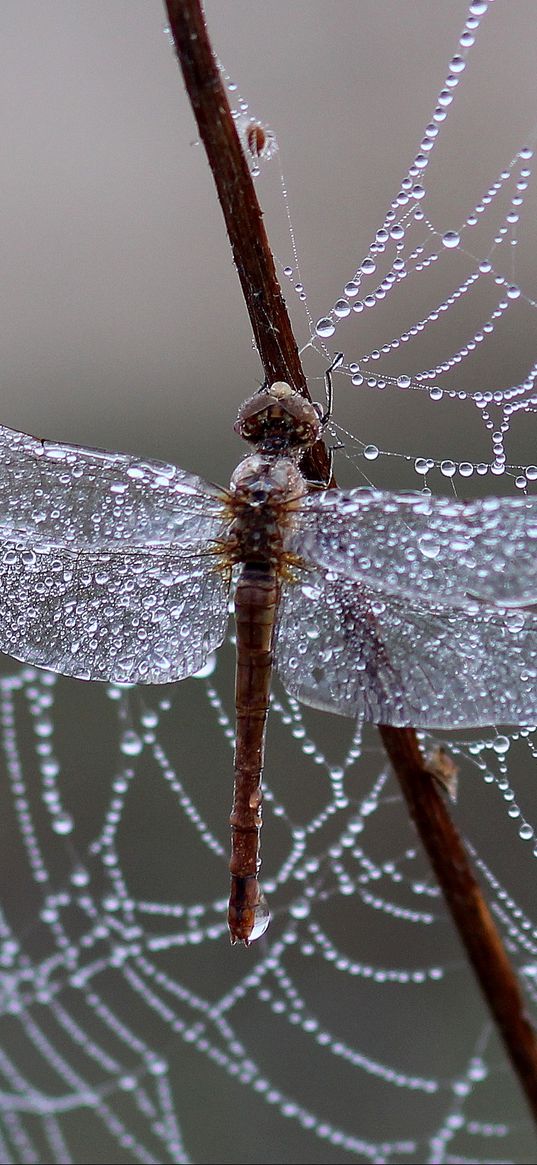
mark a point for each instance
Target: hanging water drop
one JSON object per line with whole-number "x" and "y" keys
{"x": 262, "y": 919}
{"x": 131, "y": 744}
{"x": 207, "y": 669}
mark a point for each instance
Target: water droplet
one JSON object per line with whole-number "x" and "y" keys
{"x": 371, "y": 452}
{"x": 44, "y": 727}
{"x": 324, "y": 327}
{"x": 62, "y": 823}
{"x": 429, "y": 546}
{"x": 403, "y": 381}
{"x": 110, "y": 902}
{"x": 300, "y": 909}
{"x": 207, "y": 669}
{"x": 515, "y": 621}
{"x": 149, "y": 718}
{"x": 501, "y": 745}
{"x": 127, "y": 1083}
{"x": 131, "y": 744}
{"x": 262, "y": 919}
{"x": 451, "y": 239}
{"x": 341, "y": 309}
{"x": 513, "y": 291}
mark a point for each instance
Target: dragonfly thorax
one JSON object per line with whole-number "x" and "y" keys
{"x": 262, "y": 480}
{"x": 279, "y": 420}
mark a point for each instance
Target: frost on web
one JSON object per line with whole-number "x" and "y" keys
{"x": 352, "y": 1031}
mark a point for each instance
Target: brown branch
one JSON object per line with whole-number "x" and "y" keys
{"x": 253, "y": 257}
{"x": 467, "y": 904}
{"x": 279, "y": 355}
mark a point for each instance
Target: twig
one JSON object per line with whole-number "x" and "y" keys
{"x": 279, "y": 355}
{"x": 466, "y": 902}
{"x": 253, "y": 257}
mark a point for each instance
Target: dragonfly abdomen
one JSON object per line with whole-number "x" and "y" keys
{"x": 256, "y": 604}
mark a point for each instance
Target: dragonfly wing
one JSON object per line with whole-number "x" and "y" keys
{"x": 108, "y": 564}
{"x": 65, "y": 495}
{"x": 345, "y": 649}
{"x": 133, "y": 617}
{"x": 419, "y": 546}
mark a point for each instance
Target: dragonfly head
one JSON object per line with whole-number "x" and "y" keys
{"x": 278, "y": 419}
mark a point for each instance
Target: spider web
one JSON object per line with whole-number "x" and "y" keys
{"x": 353, "y": 1030}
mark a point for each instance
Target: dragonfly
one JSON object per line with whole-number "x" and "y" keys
{"x": 395, "y": 608}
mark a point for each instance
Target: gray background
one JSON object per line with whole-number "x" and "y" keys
{"x": 122, "y": 325}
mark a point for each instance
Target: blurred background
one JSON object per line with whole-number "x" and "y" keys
{"x": 122, "y": 326}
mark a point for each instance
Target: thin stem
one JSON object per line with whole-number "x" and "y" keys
{"x": 243, "y": 216}
{"x": 467, "y": 904}
{"x": 279, "y": 355}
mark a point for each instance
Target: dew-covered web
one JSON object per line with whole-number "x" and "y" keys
{"x": 353, "y": 1031}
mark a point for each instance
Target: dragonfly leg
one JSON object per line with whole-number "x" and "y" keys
{"x": 336, "y": 363}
